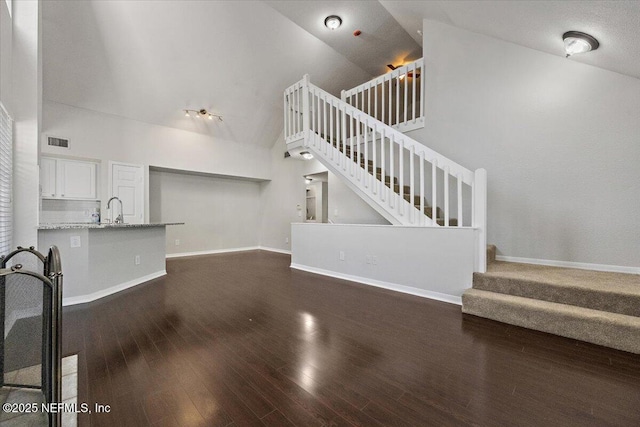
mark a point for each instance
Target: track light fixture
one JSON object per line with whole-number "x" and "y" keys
{"x": 201, "y": 113}
{"x": 577, "y": 42}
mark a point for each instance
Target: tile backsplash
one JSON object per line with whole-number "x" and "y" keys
{"x": 64, "y": 211}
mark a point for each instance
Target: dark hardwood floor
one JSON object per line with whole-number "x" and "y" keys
{"x": 240, "y": 339}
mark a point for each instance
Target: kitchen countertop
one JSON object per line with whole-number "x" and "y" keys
{"x": 67, "y": 226}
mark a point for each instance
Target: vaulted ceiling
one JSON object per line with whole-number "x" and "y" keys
{"x": 148, "y": 60}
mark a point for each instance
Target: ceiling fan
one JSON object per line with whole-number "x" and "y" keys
{"x": 393, "y": 67}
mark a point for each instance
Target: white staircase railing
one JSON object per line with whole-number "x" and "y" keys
{"x": 395, "y": 98}
{"x": 377, "y": 161}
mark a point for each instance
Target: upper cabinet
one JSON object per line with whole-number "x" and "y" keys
{"x": 68, "y": 179}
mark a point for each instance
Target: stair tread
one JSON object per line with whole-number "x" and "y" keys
{"x": 614, "y": 330}
{"x": 614, "y": 292}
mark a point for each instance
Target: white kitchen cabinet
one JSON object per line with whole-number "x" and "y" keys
{"x": 68, "y": 179}
{"x": 47, "y": 177}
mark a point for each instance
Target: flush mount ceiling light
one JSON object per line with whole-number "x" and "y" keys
{"x": 306, "y": 155}
{"x": 332, "y": 22}
{"x": 577, "y": 42}
{"x": 201, "y": 113}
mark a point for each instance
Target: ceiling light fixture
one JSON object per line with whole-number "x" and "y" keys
{"x": 201, "y": 113}
{"x": 577, "y": 42}
{"x": 306, "y": 155}
{"x": 332, "y": 22}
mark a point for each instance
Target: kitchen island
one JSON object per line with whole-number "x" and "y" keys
{"x": 102, "y": 259}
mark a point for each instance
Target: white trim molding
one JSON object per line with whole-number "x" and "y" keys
{"x": 451, "y": 299}
{"x": 280, "y": 251}
{"x": 82, "y": 299}
{"x": 224, "y": 251}
{"x": 212, "y": 252}
{"x": 571, "y": 264}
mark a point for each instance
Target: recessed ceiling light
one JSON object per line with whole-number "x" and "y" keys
{"x": 577, "y": 42}
{"x": 306, "y": 155}
{"x": 332, "y": 22}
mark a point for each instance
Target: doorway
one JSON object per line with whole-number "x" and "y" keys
{"x": 316, "y": 197}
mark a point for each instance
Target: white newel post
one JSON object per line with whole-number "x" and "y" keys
{"x": 306, "y": 108}
{"x": 480, "y": 218}
{"x": 343, "y": 95}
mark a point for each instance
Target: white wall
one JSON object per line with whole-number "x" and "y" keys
{"x": 431, "y": 262}
{"x": 346, "y": 207}
{"x": 104, "y": 137}
{"x": 281, "y": 196}
{"x": 218, "y": 213}
{"x": 26, "y": 93}
{"x": 559, "y": 140}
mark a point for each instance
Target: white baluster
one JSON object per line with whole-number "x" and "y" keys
{"x": 412, "y": 189}
{"x": 434, "y": 192}
{"x": 392, "y": 193}
{"x": 406, "y": 96}
{"x": 324, "y": 119}
{"x": 366, "y": 155}
{"x": 375, "y": 187}
{"x": 422, "y": 217}
{"x": 459, "y": 178}
{"x": 413, "y": 92}
{"x": 446, "y": 196}
{"x": 375, "y": 103}
{"x": 383, "y": 193}
{"x": 351, "y": 120}
{"x": 398, "y": 81}
{"x": 343, "y": 158}
{"x": 422, "y": 92}
{"x": 358, "y": 151}
{"x": 390, "y": 101}
{"x": 401, "y": 175}
{"x": 331, "y": 141}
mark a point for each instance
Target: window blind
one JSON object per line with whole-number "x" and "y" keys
{"x": 6, "y": 175}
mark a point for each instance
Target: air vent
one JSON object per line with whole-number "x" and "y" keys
{"x": 57, "y": 142}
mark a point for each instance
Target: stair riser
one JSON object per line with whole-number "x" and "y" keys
{"x": 615, "y": 331}
{"x": 603, "y": 299}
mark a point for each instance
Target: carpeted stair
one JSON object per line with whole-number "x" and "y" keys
{"x": 598, "y": 307}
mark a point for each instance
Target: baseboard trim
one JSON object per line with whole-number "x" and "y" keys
{"x": 83, "y": 299}
{"x": 212, "y": 252}
{"x": 571, "y": 264}
{"x": 280, "y": 251}
{"x": 451, "y": 299}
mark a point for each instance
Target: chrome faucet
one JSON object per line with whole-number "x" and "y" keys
{"x": 119, "y": 219}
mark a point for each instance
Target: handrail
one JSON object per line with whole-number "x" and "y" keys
{"x": 395, "y": 98}
{"x": 442, "y": 161}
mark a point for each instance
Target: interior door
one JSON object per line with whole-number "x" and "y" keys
{"x": 127, "y": 183}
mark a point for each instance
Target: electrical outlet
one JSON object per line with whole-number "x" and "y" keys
{"x": 137, "y": 260}
{"x": 374, "y": 260}
{"x": 177, "y": 242}
{"x": 341, "y": 255}
{"x": 75, "y": 241}
{"x": 286, "y": 240}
